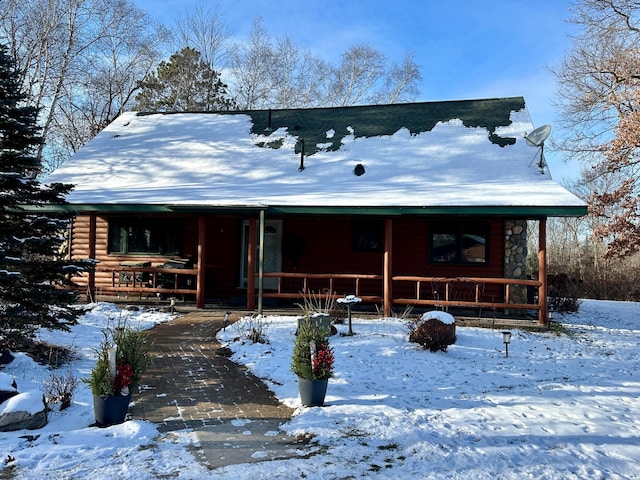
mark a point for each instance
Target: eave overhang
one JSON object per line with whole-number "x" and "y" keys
{"x": 283, "y": 210}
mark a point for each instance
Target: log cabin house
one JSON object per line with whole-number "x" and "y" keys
{"x": 422, "y": 204}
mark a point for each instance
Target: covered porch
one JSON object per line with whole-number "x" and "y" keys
{"x": 438, "y": 292}
{"x": 376, "y": 281}
{"x": 389, "y": 278}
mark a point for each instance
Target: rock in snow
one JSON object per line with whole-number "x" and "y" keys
{"x": 22, "y": 410}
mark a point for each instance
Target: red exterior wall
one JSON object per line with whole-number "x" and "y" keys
{"x": 322, "y": 244}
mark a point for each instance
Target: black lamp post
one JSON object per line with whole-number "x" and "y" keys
{"x": 506, "y": 339}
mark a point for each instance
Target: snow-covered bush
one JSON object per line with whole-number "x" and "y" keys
{"x": 435, "y": 331}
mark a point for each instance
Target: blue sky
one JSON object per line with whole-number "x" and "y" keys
{"x": 465, "y": 48}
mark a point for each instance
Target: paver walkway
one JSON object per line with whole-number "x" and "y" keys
{"x": 192, "y": 386}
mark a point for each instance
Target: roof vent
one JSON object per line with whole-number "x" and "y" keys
{"x": 358, "y": 170}
{"x": 301, "y": 167}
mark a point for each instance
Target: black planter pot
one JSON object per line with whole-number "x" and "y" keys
{"x": 312, "y": 392}
{"x": 110, "y": 410}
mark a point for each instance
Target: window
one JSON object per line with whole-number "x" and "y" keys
{"x": 459, "y": 242}
{"x": 145, "y": 236}
{"x": 368, "y": 235}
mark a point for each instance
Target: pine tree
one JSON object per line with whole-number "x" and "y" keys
{"x": 185, "y": 83}
{"x": 33, "y": 271}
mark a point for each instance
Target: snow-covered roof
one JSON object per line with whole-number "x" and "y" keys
{"x": 439, "y": 154}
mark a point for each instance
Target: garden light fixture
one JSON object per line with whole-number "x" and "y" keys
{"x": 506, "y": 339}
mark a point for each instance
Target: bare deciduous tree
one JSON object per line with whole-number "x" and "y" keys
{"x": 80, "y": 61}
{"x": 401, "y": 81}
{"x": 268, "y": 73}
{"x": 298, "y": 77}
{"x": 251, "y": 63}
{"x": 599, "y": 91}
{"x": 360, "y": 70}
{"x": 205, "y": 30}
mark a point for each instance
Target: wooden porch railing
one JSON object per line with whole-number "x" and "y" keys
{"x": 328, "y": 280}
{"x": 145, "y": 280}
{"x": 473, "y": 292}
{"x": 465, "y": 292}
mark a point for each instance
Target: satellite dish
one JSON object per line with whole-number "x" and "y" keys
{"x": 538, "y": 136}
{"x": 537, "y": 139}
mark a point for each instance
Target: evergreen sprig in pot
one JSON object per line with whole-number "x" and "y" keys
{"x": 123, "y": 357}
{"x": 312, "y": 362}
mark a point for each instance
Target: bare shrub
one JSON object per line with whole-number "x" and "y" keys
{"x": 403, "y": 315}
{"x": 320, "y": 302}
{"x": 253, "y": 328}
{"x": 564, "y": 293}
{"x": 59, "y": 388}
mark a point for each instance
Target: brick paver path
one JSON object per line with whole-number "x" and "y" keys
{"x": 191, "y": 385}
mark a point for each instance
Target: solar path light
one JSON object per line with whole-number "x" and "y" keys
{"x": 506, "y": 339}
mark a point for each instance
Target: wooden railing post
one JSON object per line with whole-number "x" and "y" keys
{"x": 251, "y": 266}
{"x": 387, "y": 267}
{"x": 202, "y": 240}
{"x": 261, "y": 262}
{"x": 543, "y": 314}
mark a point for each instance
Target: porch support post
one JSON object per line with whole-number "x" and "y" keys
{"x": 387, "y": 266}
{"x": 202, "y": 240}
{"x": 91, "y": 282}
{"x": 261, "y": 263}
{"x": 251, "y": 266}
{"x": 543, "y": 314}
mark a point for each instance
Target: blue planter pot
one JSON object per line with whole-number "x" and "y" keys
{"x": 110, "y": 410}
{"x": 312, "y": 392}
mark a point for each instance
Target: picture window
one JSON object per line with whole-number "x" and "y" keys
{"x": 144, "y": 236}
{"x": 464, "y": 242}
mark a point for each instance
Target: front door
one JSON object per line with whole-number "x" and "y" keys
{"x": 272, "y": 252}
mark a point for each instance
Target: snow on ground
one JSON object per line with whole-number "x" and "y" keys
{"x": 561, "y": 406}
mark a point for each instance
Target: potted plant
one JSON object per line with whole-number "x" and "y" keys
{"x": 312, "y": 362}
{"x": 123, "y": 357}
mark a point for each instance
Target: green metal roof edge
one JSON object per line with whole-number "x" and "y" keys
{"x": 90, "y": 208}
{"x": 142, "y": 208}
{"x": 529, "y": 211}
{"x": 521, "y": 211}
